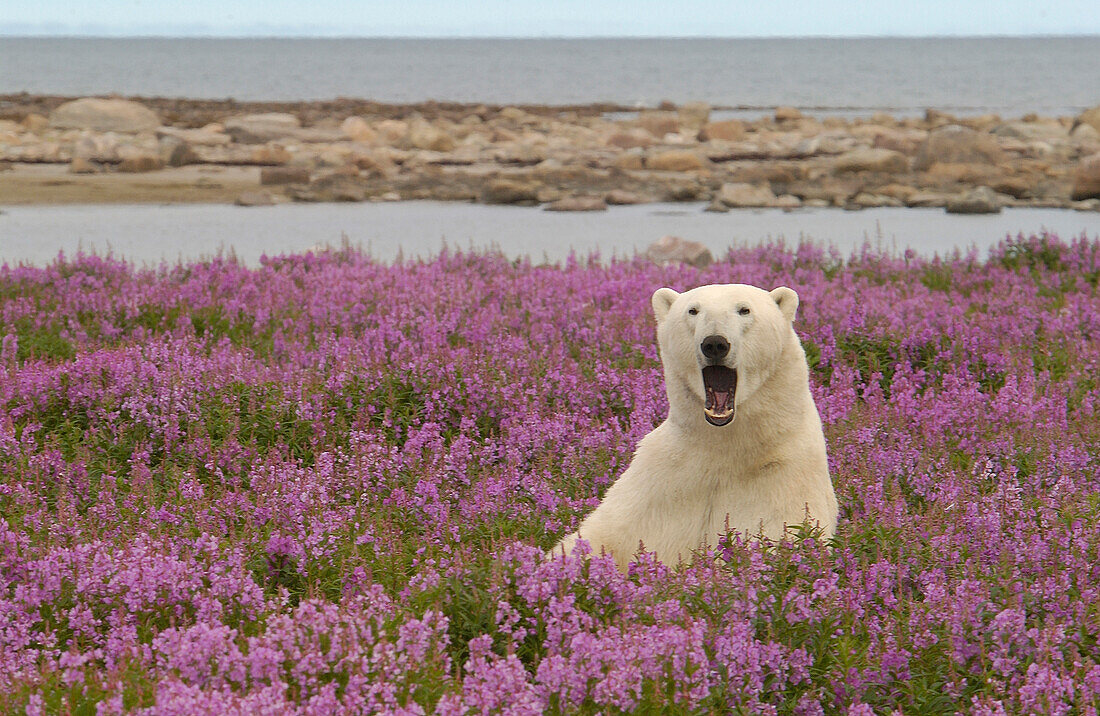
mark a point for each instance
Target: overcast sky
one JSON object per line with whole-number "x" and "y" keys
{"x": 540, "y": 18}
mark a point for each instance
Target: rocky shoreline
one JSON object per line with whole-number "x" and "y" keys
{"x": 581, "y": 158}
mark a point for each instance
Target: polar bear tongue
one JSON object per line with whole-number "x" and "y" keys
{"x": 720, "y": 385}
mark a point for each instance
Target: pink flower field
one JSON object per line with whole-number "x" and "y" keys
{"x": 325, "y": 486}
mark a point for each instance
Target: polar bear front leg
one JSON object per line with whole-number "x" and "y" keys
{"x": 597, "y": 546}
{"x": 563, "y": 547}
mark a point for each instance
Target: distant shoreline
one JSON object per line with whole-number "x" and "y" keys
{"x": 58, "y": 149}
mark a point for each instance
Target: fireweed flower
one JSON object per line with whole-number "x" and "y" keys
{"x": 326, "y": 485}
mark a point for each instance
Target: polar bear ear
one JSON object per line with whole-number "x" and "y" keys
{"x": 787, "y": 300}
{"x": 663, "y": 299}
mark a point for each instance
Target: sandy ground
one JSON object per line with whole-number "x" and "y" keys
{"x": 35, "y": 184}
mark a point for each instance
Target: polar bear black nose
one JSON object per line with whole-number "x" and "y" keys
{"x": 715, "y": 347}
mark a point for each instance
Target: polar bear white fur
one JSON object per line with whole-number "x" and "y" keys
{"x": 741, "y": 451}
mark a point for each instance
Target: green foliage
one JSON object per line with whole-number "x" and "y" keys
{"x": 46, "y": 342}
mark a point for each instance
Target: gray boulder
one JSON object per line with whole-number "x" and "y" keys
{"x": 739, "y": 194}
{"x": 105, "y": 115}
{"x": 982, "y": 200}
{"x": 1086, "y": 180}
{"x": 955, "y": 144}
{"x": 871, "y": 160}
{"x": 507, "y": 191}
{"x": 578, "y": 203}
{"x": 261, "y": 128}
{"x": 673, "y": 249}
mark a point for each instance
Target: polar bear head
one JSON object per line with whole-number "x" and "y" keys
{"x": 719, "y": 344}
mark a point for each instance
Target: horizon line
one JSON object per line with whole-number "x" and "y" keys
{"x": 188, "y": 36}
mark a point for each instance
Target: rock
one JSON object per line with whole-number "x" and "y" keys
{"x": 261, "y": 128}
{"x": 906, "y": 141}
{"x": 1085, "y": 133}
{"x": 557, "y": 173}
{"x": 270, "y": 154}
{"x": 82, "y": 165}
{"x": 424, "y": 135}
{"x": 35, "y": 123}
{"x": 507, "y": 191}
{"x": 578, "y": 203}
{"x": 297, "y": 192}
{"x": 659, "y": 123}
{"x": 673, "y": 249}
{"x": 623, "y": 197}
{"x": 1086, "y": 180}
{"x": 745, "y": 195}
{"x": 1015, "y": 187}
{"x": 255, "y": 198}
{"x": 730, "y": 130}
{"x": 786, "y": 201}
{"x": 140, "y": 163}
{"x": 1058, "y": 150}
{"x": 787, "y": 114}
{"x": 680, "y": 191}
{"x": 333, "y": 157}
{"x": 922, "y": 199}
{"x": 954, "y": 144}
{"x": 377, "y": 161}
{"x": 514, "y": 114}
{"x": 550, "y": 194}
{"x": 36, "y": 153}
{"x": 1090, "y": 117}
{"x": 983, "y": 122}
{"x": 938, "y": 118}
{"x": 693, "y": 115}
{"x": 901, "y": 192}
{"x": 181, "y": 154}
{"x": 865, "y": 200}
{"x": 871, "y": 160}
{"x": 1030, "y": 130}
{"x": 717, "y": 207}
{"x": 1086, "y": 205}
{"x": 357, "y": 130}
{"x": 523, "y": 155}
{"x": 676, "y": 160}
{"x": 104, "y": 115}
{"x": 198, "y": 137}
{"x": 98, "y": 147}
{"x": 347, "y": 192}
{"x": 630, "y": 138}
{"x": 339, "y": 185}
{"x": 630, "y": 160}
{"x": 961, "y": 173}
{"x": 833, "y": 192}
{"x": 10, "y": 131}
{"x": 982, "y": 200}
{"x": 391, "y": 131}
{"x": 315, "y": 135}
{"x": 283, "y": 175}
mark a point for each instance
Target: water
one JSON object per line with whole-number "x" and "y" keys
{"x": 1010, "y": 76}
{"x": 151, "y": 234}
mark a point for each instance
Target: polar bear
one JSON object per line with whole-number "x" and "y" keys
{"x": 742, "y": 448}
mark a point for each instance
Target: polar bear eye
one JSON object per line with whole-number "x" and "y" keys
{"x": 693, "y": 311}
{"x": 744, "y": 310}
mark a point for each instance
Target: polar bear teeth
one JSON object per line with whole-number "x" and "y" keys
{"x": 720, "y": 386}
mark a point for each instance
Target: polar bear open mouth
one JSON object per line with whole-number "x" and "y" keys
{"x": 720, "y": 385}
